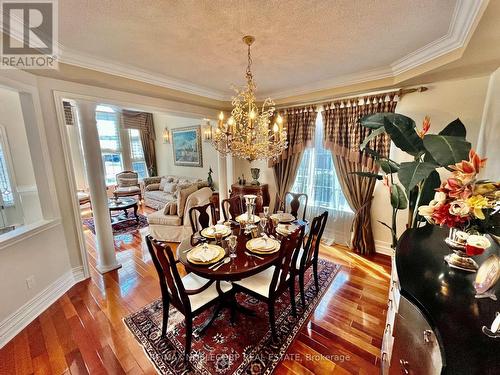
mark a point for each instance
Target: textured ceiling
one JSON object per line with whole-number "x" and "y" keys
{"x": 298, "y": 42}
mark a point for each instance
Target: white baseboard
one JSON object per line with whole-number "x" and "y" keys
{"x": 383, "y": 247}
{"x": 18, "y": 320}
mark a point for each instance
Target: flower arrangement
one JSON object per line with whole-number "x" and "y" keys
{"x": 462, "y": 201}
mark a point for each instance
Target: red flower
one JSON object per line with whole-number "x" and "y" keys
{"x": 442, "y": 216}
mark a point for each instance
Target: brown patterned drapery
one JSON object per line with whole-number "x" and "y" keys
{"x": 299, "y": 124}
{"x": 343, "y": 135}
{"x": 143, "y": 121}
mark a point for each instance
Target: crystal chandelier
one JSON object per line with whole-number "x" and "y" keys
{"x": 247, "y": 133}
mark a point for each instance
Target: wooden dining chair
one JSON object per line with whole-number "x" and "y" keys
{"x": 202, "y": 217}
{"x": 295, "y": 204}
{"x": 191, "y": 294}
{"x": 269, "y": 284}
{"x": 232, "y": 207}
{"x": 309, "y": 254}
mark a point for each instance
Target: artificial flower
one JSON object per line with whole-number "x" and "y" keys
{"x": 442, "y": 216}
{"x": 459, "y": 208}
{"x": 467, "y": 170}
{"x": 439, "y": 197}
{"x": 485, "y": 188}
{"x": 477, "y": 203}
{"x": 454, "y": 188}
{"x": 425, "y": 127}
{"x": 426, "y": 212}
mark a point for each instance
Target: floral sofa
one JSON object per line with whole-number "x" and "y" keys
{"x": 156, "y": 196}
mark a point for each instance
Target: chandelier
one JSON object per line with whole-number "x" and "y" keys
{"x": 248, "y": 133}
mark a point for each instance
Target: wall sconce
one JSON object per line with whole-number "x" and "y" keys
{"x": 207, "y": 132}
{"x": 166, "y": 135}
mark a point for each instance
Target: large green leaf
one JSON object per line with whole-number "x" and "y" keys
{"x": 401, "y": 129}
{"x": 368, "y": 174}
{"x": 398, "y": 197}
{"x": 411, "y": 173}
{"x": 373, "y": 134}
{"x": 446, "y": 150}
{"x": 388, "y": 166}
{"x": 376, "y": 120}
{"x": 373, "y": 153}
{"x": 455, "y": 128}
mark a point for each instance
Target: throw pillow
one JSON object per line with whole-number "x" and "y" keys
{"x": 182, "y": 196}
{"x": 128, "y": 182}
{"x": 170, "y": 208}
{"x": 152, "y": 187}
{"x": 163, "y": 181}
{"x": 179, "y": 188}
{"x": 170, "y": 188}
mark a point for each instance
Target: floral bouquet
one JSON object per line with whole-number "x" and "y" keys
{"x": 467, "y": 204}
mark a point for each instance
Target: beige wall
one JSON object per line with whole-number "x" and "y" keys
{"x": 164, "y": 151}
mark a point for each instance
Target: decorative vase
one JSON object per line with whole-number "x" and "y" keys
{"x": 255, "y": 175}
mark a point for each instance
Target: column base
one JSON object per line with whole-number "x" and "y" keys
{"x": 112, "y": 267}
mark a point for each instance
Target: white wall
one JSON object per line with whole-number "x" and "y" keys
{"x": 164, "y": 151}
{"x": 443, "y": 102}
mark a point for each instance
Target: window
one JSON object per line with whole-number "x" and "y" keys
{"x": 108, "y": 128}
{"x": 137, "y": 153}
{"x": 6, "y": 194}
{"x": 317, "y": 178}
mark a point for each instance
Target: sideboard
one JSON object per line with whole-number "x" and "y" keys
{"x": 434, "y": 321}
{"x": 259, "y": 190}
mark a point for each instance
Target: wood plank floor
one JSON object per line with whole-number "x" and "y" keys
{"x": 83, "y": 332}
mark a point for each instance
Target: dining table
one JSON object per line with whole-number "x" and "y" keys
{"x": 245, "y": 264}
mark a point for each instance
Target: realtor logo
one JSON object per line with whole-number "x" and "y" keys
{"x": 29, "y": 39}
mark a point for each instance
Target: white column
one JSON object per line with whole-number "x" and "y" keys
{"x": 223, "y": 187}
{"x": 105, "y": 247}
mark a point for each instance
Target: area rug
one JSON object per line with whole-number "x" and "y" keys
{"x": 243, "y": 348}
{"x": 123, "y": 227}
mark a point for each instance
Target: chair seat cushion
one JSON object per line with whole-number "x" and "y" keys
{"x": 128, "y": 189}
{"x": 259, "y": 283}
{"x": 160, "y": 218}
{"x": 192, "y": 281}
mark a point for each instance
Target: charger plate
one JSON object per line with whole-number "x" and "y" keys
{"x": 250, "y": 245}
{"x": 244, "y": 217}
{"x": 208, "y": 234}
{"x": 221, "y": 254}
{"x": 284, "y": 217}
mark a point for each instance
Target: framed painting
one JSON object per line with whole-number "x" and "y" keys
{"x": 186, "y": 145}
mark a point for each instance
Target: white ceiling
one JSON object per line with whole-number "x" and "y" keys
{"x": 195, "y": 45}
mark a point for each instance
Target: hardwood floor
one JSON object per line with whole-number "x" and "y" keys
{"x": 83, "y": 331}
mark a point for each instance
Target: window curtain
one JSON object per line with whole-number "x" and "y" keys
{"x": 143, "y": 121}
{"x": 343, "y": 135}
{"x": 299, "y": 123}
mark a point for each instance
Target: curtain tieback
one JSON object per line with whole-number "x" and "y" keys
{"x": 358, "y": 211}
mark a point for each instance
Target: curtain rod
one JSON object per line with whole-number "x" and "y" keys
{"x": 401, "y": 92}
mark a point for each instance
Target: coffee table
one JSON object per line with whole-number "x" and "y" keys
{"x": 122, "y": 204}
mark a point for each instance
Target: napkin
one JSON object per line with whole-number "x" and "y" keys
{"x": 218, "y": 228}
{"x": 203, "y": 253}
{"x": 287, "y": 228}
{"x": 263, "y": 244}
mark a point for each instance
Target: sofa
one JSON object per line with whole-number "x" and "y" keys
{"x": 156, "y": 196}
{"x": 174, "y": 226}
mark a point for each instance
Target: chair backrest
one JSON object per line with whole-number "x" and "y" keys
{"x": 127, "y": 178}
{"x": 170, "y": 280}
{"x": 295, "y": 203}
{"x": 288, "y": 251}
{"x": 311, "y": 249}
{"x": 201, "y": 216}
{"x": 232, "y": 207}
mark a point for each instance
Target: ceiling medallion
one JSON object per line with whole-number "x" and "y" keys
{"x": 248, "y": 133}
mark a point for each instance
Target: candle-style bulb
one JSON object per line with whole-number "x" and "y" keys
{"x": 221, "y": 116}
{"x": 230, "y": 121}
{"x": 275, "y": 128}
{"x": 279, "y": 120}
{"x": 252, "y": 115}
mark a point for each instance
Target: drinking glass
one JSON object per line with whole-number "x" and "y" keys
{"x": 263, "y": 223}
{"x": 266, "y": 211}
{"x": 232, "y": 245}
{"x": 218, "y": 237}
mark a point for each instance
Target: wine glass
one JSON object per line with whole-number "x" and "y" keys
{"x": 266, "y": 211}
{"x": 232, "y": 245}
{"x": 263, "y": 223}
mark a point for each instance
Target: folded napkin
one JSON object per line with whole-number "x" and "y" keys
{"x": 263, "y": 244}
{"x": 287, "y": 228}
{"x": 203, "y": 254}
{"x": 218, "y": 228}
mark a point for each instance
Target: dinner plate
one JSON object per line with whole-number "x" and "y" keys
{"x": 285, "y": 232}
{"x": 244, "y": 217}
{"x": 191, "y": 255}
{"x": 273, "y": 247}
{"x": 210, "y": 233}
{"x": 284, "y": 217}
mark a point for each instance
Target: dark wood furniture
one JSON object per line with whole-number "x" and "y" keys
{"x": 214, "y": 199}
{"x": 308, "y": 255}
{"x": 127, "y": 185}
{"x": 434, "y": 321}
{"x": 202, "y": 217}
{"x": 232, "y": 207}
{"x": 295, "y": 204}
{"x": 258, "y": 190}
{"x": 122, "y": 204}
{"x": 175, "y": 290}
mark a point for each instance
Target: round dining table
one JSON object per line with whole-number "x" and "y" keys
{"x": 245, "y": 264}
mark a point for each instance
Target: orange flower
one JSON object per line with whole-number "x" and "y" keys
{"x": 466, "y": 170}
{"x": 425, "y": 127}
{"x": 454, "y": 188}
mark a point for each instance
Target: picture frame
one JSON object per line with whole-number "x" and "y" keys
{"x": 186, "y": 146}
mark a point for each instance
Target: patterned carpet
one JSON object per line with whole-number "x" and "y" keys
{"x": 243, "y": 348}
{"x": 123, "y": 227}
